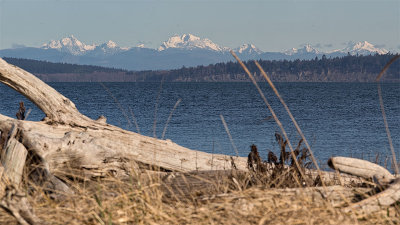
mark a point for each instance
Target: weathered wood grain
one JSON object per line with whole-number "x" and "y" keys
{"x": 13, "y": 157}
{"x": 376, "y": 202}
{"x": 68, "y": 139}
{"x": 361, "y": 168}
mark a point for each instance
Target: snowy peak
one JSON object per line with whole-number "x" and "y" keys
{"x": 75, "y": 47}
{"x": 109, "y": 48}
{"x": 111, "y": 44}
{"x": 189, "y": 41}
{"x": 291, "y": 51}
{"x": 108, "y": 45}
{"x": 248, "y": 49}
{"x": 307, "y": 49}
{"x": 363, "y": 47}
{"x": 69, "y": 44}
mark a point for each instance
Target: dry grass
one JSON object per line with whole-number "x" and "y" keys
{"x": 222, "y": 197}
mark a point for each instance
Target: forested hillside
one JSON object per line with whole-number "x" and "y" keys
{"x": 44, "y": 67}
{"x": 339, "y": 69}
{"x": 348, "y": 69}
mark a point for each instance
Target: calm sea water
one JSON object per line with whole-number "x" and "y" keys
{"x": 337, "y": 118}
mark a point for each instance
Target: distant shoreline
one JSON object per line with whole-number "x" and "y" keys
{"x": 348, "y": 69}
{"x": 118, "y": 78}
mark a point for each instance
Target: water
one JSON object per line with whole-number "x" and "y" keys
{"x": 338, "y": 119}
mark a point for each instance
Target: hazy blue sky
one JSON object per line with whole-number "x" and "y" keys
{"x": 270, "y": 25}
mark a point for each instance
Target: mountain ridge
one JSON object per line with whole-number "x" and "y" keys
{"x": 190, "y": 42}
{"x": 177, "y": 51}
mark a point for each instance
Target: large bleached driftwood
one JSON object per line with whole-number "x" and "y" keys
{"x": 67, "y": 139}
{"x": 66, "y": 142}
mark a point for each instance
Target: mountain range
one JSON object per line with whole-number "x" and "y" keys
{"x": 178, "y": 51}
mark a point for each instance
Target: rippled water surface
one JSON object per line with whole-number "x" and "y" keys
{"x": 336, "y": 118}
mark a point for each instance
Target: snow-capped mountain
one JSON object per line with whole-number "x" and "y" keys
{"x": 75, "y": 47}
{"x": 307, "y": 49}
{"x": 109, "y": 48}
{"x": 110, "y": 44}
{"x": 363, "y": 48}
{"x": 70, "y": 45}
{"x": 189, "y": 42}
{"x": 248, "y": 49}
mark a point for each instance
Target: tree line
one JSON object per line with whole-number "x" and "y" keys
{"x": 45, "y": 67}
{"x": 350, "y": 68}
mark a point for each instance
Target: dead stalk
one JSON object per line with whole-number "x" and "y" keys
{"x": 156, "y": 108}
{"x": 229, "y": 134}
{"x": 396, "y": 168}
{"x": 169, "y": 117}
{"x": 134, "y": 120}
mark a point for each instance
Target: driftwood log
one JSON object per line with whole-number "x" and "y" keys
{"x": 381, "y": 176}
{"x": 65, "y": 139}
{"x": 67, "y": 143}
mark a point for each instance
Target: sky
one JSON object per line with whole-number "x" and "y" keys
{"x": 270, "y": 25}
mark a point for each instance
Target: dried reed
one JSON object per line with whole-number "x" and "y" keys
{"x": 134, "y": 120}
{"x": 156, "y": 107}
{"x": 169, "y": 118}
{"x": 396, "y": 168}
